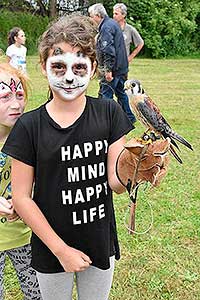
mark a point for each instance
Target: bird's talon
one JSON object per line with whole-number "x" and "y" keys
{"x": 154, "y": 137}
{"x": 145, "y": 137}
{"x": 145, "y": 141}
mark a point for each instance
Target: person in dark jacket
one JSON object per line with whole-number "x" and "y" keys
{"x": 112, "y": 58}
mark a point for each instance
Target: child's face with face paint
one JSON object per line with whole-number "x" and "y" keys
{"x": 12, "y": 99}
{"x": 68, "y": 71}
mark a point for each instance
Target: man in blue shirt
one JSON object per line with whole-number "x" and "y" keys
{"x": 112, "y": 58}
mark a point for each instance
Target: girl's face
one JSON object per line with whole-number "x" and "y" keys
{"x": 20, "y": 38}
{"x": 68, "y": 71}
{"x": 12, "y": 99}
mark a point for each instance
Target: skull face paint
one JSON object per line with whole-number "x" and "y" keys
{"x": 68, "y": 74}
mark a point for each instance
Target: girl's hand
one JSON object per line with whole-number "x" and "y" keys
{"x": 6, "y": 207}
{"x": 109, "y": 76}
{"x": 73, "y": 260}
{"x": 7, "y": 210}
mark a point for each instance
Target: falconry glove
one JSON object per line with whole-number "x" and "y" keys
{"x": 141, "y": 162}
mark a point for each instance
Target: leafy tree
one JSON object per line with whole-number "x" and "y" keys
{"x": 33, "y": 26}
{"x": 169, "y": 27}
{"x": 16, "y": 5}
{"x": 52, "y": 8}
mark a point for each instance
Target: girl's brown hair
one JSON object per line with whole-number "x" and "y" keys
{"x": 12, "y": 34}
{"x": 76, "y": 30}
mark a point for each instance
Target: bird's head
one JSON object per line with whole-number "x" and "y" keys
{"x": 133, "y": 87}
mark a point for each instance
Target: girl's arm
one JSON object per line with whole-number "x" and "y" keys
{"x": 113, "y": 153}
{"x": 8, "y": 58}
{"x": 22, "y": 178}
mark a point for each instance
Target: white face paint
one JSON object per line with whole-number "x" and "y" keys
{"x": 69, "y": 74}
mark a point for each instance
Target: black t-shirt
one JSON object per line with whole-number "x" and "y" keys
{"x": 71, "y": 186}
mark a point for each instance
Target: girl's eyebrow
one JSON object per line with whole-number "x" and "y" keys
{"x": 59, "y": 61}
{"x": 81, "y": 59}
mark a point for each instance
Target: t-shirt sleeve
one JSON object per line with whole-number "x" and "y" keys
{"x": 136, "y": 37}
{"x": 120, "y": 123}
{"x": 19, "y": 144}
{"x": 9, "y": 52}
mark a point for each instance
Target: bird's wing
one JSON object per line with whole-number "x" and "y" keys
{"x": 158, "y": 123}
{"x": 151, "y": 114}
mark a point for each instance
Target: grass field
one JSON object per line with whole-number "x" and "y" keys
{"x": 164, "y": 263}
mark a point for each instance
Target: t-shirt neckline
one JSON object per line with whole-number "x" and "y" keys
{"x": 56, "y": 125}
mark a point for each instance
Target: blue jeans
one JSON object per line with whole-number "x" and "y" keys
{"x": 116, "y": 86}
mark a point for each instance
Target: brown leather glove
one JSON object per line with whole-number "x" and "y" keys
{"x": 143, "y": 162}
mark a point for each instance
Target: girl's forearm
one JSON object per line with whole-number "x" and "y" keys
{"x": 34, "y": 218}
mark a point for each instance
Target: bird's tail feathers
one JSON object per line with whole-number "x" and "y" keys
{"x": 179, "y": 138}
{"x": 173, "y": 152}
{"x": 172, "y": 141}
{"x": 175, "y": 144}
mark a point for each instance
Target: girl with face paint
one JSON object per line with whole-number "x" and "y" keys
{"x": 66, "y": 151}
{"x": 14, "y": 233}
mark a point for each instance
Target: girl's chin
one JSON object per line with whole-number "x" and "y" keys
{"x": 11, "y": 121}
{"x": 70, "y": 96}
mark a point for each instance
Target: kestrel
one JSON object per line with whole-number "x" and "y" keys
{"x": 149, "y": 114}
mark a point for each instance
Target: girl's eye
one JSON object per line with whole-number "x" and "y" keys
{"x": 80, "y": 69}
{"x": 20, "y": 95}
{"x": 58, "y": 68}
{"x": 6, "y": 97}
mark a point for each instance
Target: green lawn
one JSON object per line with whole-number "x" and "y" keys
{"x": 165, "y": 262}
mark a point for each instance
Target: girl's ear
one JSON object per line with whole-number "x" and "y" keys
{"x": 94, "y": 66}
{"x": 44, "y": 71}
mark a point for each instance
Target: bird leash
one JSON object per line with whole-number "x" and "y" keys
{"x": 141, "y": 161}
{"x": 132, "y": 187}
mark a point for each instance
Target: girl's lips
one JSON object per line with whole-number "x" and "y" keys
{"x": 68, "y": 90}
{"x": 15, "y": 115}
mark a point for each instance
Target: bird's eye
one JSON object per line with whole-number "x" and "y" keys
{"x": 133, "y": 84}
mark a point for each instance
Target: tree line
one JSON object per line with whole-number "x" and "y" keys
{"x": 168, "y": 27}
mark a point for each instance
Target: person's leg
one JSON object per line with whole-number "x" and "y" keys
{"x": 2, "y": 266}
{"x": 56, "y": 286}
{"x": 94, "y": 283}
{"x": 21, "y": 260}
{"x": 123, "y": 100}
